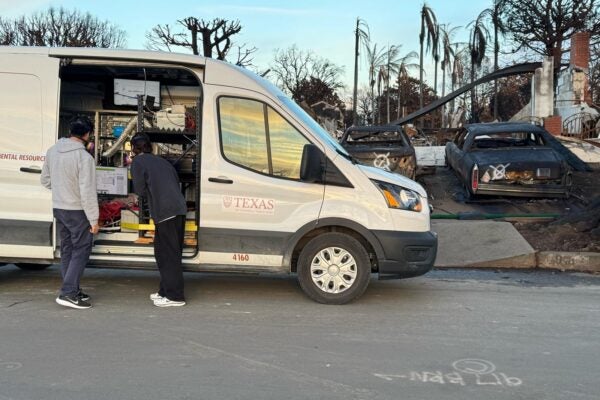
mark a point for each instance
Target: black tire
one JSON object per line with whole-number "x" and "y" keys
{"x": 468, "y": 194}
{"x": 32, "y": 267}
{"x": 354, "y": 277}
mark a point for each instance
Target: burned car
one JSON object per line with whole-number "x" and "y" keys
{"x": 513, "y": 159}
{"x": 385, "y": 147}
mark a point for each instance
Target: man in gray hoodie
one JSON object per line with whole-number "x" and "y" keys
{"x": 70, "y": 172}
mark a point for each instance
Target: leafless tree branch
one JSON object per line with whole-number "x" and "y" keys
{"x": 212, "y": 39}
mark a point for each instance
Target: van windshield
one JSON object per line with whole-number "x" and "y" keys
{"x": 313, "y": 125}
{"x": 298, "y": 112}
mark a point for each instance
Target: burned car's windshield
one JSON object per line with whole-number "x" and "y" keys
{"x": 495, "y": 140}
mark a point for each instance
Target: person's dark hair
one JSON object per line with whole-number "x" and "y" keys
{"x": 141, "y": 143}
{"x": 81, "y": 125}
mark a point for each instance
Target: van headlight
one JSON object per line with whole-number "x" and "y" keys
{"x": 399, "y": 197}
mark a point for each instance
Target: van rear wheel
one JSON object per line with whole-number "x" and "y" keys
{"x": 334, "y": 268}
{"x": 32, "y": 267}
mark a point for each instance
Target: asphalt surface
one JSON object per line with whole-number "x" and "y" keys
{"x": 455, "y": 334}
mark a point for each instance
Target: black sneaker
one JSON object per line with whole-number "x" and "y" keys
{"x": 73, "y": 302}
{"x": 83, "y": 296}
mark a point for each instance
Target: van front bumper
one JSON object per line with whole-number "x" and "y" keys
{"x": 406, "y": 254}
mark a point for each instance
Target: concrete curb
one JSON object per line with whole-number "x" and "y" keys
{"x": 524, "y": 261}
{"x": 569, "y": 261}
{"x": 559, "y": 260}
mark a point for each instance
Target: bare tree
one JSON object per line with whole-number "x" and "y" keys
{"x": 7, "y": 32}
{"x": 595, "y": 74}
{"x": 212, "y": 37}
{"x": 544, "y": 25}
{"x": 364, "y": 105}
{"x": 292, "y": 67}
{"x": 58, "y": 27}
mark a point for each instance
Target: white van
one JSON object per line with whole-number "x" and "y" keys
{"x": 268, "y": 189}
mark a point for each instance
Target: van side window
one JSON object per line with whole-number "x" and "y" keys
{"x": 255, "y": 136}
{"x": 287, "y": 145}
{"x": 243, "y": 133}
{"x": 20, "y": 130}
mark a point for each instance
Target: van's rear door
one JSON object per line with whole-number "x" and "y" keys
{"x": 28, "y": 126}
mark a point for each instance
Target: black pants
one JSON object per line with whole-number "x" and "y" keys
{"x": 168, "y": 249}
{"x": 75, "y": 247}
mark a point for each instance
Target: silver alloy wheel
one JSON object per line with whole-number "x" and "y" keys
{"x": 333, "y": 270}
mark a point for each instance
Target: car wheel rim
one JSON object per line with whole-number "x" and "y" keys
{"x": 333, "y": 270}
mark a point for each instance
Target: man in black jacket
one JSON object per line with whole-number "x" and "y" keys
{"x": 156, "y": 180}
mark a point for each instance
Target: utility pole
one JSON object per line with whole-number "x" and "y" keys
{"x": 355, "y": 94}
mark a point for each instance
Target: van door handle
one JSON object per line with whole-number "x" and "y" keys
{"x": 30, "y": 170}
{"x": 220, "y": 180}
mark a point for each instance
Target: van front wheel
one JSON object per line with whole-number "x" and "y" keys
{"x": 334, "y": 268}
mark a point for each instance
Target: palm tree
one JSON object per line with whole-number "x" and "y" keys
{"x": 428, "y": 30}
{"x": 494, "y": 14}
{"x": 447, "y": 51}
{"x": 457, "y": 68}
{"x": 435, "y": 53}
{"x": 478, "y": 39}
{"x": 391, "y": 67}
{"x": 392, "y": 62}
{"x": 375, "y": 59}
{"x": 361, "y": 36}
{"x": 403, "y": 68}
{"x": 382, "y": 78}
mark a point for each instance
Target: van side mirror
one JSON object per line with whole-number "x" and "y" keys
{"x": 312, "y": 167}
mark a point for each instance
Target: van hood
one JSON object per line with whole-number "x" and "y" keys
{"x": 389, "y": 177}
{"x": 66, "y": 145}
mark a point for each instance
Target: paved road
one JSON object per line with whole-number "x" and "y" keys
{"x": 459, "y": 334}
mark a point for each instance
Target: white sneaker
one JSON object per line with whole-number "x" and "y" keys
{"x": 164, "y": 302}
{"x": 155, "y": 296}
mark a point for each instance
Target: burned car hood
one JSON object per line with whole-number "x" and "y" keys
{"x": 389, "y": 177}
{"x": 523, "y": 156}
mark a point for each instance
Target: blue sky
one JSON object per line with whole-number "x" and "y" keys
{"x": 325, "y": 27}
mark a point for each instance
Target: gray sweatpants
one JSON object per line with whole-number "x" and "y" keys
{"x": 75, "y": 247}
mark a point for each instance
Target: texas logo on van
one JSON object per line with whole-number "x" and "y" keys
{"x": 252, "y": 205}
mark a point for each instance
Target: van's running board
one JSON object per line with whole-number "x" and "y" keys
{"x": 133, "y": 250}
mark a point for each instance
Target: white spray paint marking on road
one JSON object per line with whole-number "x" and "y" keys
{"x": 10, "y": 365}
{"x": 467, "y": 372}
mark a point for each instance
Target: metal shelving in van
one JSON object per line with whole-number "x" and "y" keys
{"x": 185, "y": 163}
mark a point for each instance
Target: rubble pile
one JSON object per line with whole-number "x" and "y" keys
{"x": 587, "y": 220}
